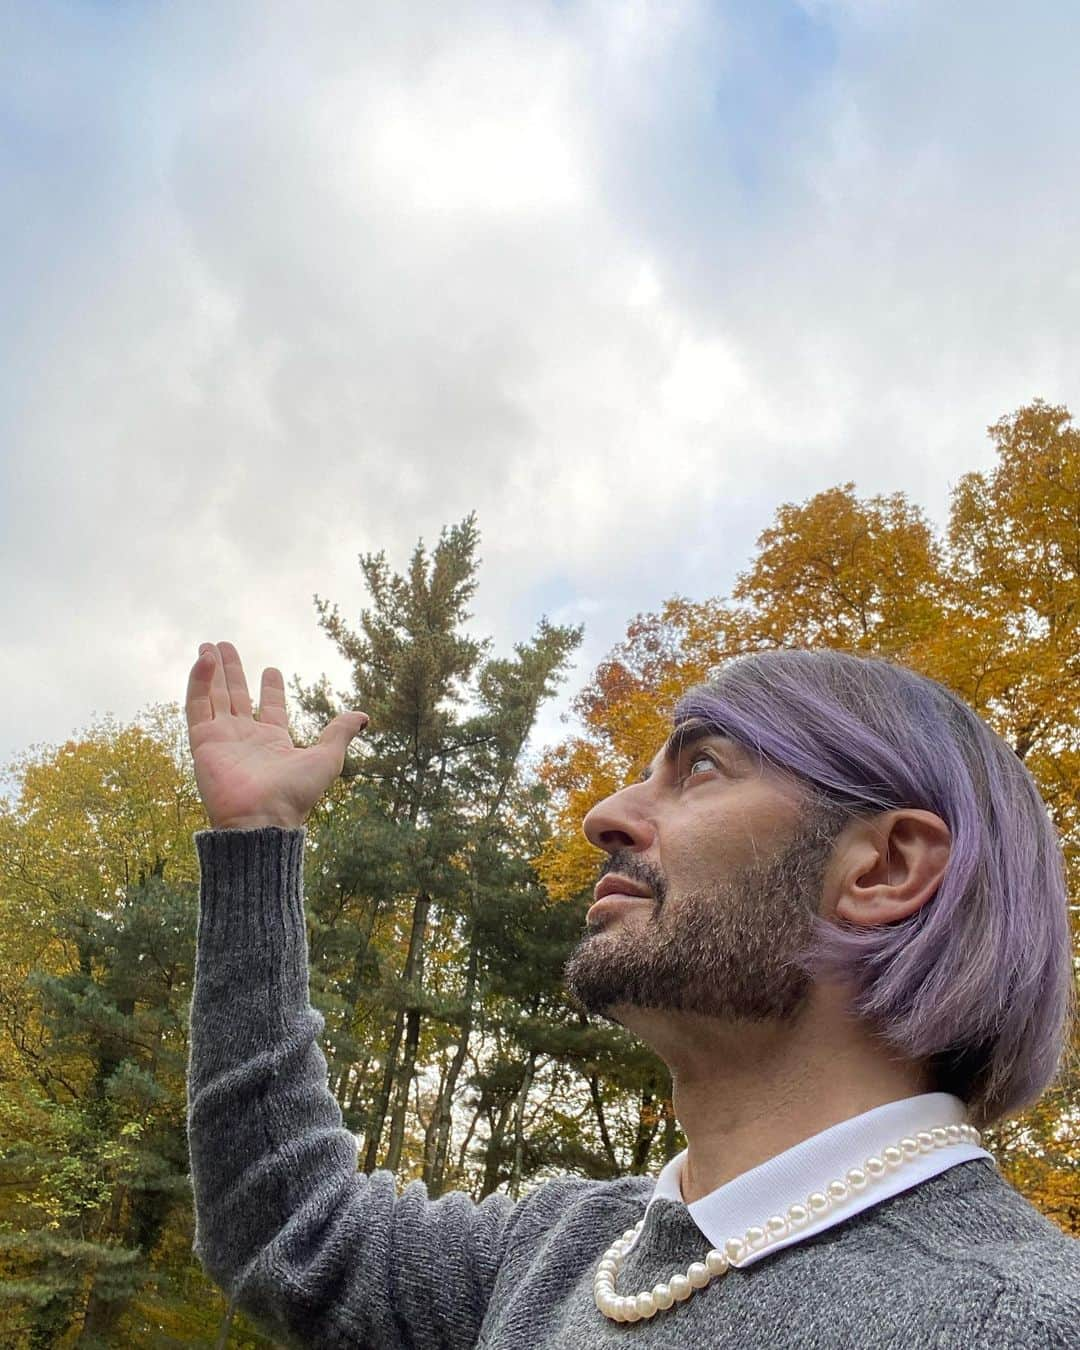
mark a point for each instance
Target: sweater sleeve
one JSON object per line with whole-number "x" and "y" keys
{"x": 312, "y": 1248}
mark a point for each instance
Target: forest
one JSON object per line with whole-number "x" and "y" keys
{"x": 447, "y": 879}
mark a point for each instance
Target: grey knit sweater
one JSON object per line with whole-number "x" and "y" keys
{"x": 322, "y": 1255}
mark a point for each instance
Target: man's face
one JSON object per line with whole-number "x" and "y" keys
{"x": 734, "y": 861}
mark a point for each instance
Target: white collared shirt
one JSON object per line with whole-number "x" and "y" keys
{"x": 750, "y": 1199}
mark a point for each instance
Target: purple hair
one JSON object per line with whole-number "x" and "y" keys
{"x": 977, "y": 983}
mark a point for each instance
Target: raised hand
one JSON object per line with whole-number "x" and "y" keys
{"x": 249, "y": 773}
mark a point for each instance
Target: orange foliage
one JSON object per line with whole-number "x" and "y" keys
{"x": 992, "y": 611}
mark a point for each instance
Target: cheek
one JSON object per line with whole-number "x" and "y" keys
{"x": 711, "y": 841}
{"x": 704, "y": 846}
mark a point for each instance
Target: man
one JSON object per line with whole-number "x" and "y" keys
{"x": 834, "y": 905}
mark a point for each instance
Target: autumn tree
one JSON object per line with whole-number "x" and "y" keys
{"x": 97, "y": 927}
{"x": 991, "y": 610}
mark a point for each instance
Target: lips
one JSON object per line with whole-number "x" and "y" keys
{"x": 616, "y": 893}
{"x": 614, "y": 884}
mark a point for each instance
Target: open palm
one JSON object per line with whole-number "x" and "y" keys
{"x": 248, "y": 772}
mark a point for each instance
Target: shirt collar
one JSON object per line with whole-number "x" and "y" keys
{"x": 788, "y": 1178}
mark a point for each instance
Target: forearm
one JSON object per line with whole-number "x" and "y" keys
{"x": 284, "y": 1221}
{"x": 251, "y": 1025}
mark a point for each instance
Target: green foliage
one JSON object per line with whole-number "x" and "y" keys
{"x": 419, "y": 885}
{"x": 992, "y": 611}
{"x": 446, "y": 881}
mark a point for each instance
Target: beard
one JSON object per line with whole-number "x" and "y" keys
{"x": 728, "y": 951}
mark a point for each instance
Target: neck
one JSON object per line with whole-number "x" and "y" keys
{"x": 745, "y": 1093}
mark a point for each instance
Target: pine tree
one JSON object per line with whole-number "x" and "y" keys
{"x": 405, "y": 864}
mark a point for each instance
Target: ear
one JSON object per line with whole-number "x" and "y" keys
{"x": 889, "y": 866}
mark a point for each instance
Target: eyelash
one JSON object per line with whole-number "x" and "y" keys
{"x": 701, "y": 754}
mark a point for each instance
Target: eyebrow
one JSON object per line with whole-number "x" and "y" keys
{"x": 682, "y": 738}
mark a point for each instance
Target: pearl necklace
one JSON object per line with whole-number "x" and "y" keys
{"x": 681, "y": 1286}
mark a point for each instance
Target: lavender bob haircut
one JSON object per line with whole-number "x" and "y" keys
{"x": 977, "y": 983}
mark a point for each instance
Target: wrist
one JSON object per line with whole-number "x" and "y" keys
{"x": 258, "y": 823}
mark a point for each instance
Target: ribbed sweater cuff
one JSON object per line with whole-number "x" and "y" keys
{"x": 251, "y": 897}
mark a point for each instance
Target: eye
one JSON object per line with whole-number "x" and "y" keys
{"x": 700, "y": 758}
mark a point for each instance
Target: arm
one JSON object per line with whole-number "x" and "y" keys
{"x": 284, "y": 1221}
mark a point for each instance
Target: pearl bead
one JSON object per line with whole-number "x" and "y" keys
{"x": 679, "y": 1287}
{"x": 646, "y": 1307}
{"x": 698, "y": 1274}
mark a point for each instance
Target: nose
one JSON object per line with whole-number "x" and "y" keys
{"x": 616, "y": 823}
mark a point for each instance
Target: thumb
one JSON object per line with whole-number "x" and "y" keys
{"x": 342, "y": 729}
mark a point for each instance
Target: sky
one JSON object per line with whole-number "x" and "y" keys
{"x": 287, "y": 284}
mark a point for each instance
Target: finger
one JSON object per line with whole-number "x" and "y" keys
{"x": 239, "y": 697}
{"x": 272, "y": 699}
{"x": 219, "y": 690}
{"x": 197, "y": 704}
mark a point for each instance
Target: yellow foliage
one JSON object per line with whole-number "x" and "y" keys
{"x": 992, "y": 611}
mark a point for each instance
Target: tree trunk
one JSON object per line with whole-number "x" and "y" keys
{"x": 463, "y": 1152}
{"x": 358, "y": 1087}
{"x": 436, "y": 1154}
{"x": 382, "y": 1102}
{"x": 405, "y": 1078}
{"x": 413, "y": 972}
{"x": 646, "y": 1132}
{"x": 353, "y": 989}
{"x": 497, "y": 1133}
{"x": 519, "y": 1116}
{"x": 671, "y": 1143}
{"x": 598, "y": 1107}
{"x": 431, "y": 1128}
{"x": 100, "y": 1318}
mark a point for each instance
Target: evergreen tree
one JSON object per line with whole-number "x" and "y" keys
{"x": 98, "y": 906}
{"x": 405, "y": 865}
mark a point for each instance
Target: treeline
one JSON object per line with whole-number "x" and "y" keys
{"x": 446, "y": 882}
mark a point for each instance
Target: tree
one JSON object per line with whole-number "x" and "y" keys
{"x": 427, "y": 838}
{"x": 97, "y": 926}
{"x": 992, "y": 611}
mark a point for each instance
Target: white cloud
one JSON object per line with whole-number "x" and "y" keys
{"x": 336, "y": 277}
